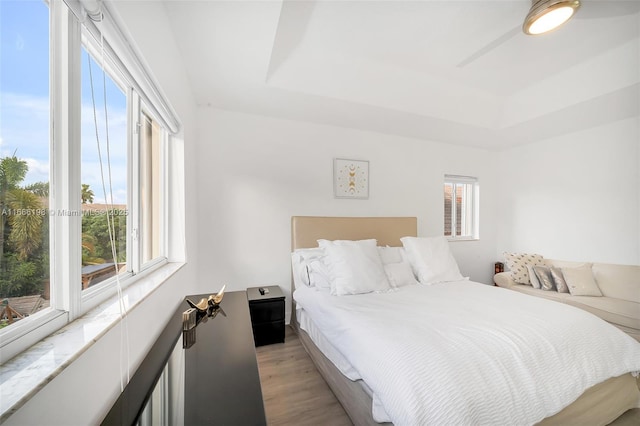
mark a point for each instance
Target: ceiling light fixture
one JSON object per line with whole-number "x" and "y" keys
{"x": 547, "y": 15}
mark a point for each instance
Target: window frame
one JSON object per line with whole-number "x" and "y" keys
{"x": 474, "y": 198}
{"x": 164, "y": 186}
{"x": 67, "y": 35}
{"x": 92, "y": 296}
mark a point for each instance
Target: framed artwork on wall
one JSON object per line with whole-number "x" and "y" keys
{"x": 350, "y": 178}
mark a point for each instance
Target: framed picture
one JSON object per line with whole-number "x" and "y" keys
{"x": 350, "y": 178}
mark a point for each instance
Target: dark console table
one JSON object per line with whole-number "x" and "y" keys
{"x": 213, "y": 381}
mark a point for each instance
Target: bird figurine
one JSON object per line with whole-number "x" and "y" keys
{"x": 204, "y": 304}
{"x": 215, "y": 300}
{"x": 201, "y": 306}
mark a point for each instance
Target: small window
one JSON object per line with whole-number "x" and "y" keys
{"x": 461, "y": 197}
{"x": 152, "y": 137}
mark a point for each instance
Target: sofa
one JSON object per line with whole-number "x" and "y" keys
{"x": 619, "y": 284}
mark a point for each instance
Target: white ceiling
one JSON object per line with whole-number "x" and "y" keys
{"x": 453, "y": 71}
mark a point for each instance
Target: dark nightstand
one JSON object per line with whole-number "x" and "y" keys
{"x": 267, "y": 314}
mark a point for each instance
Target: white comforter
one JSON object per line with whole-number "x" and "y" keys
{"x": 465, "y": 353}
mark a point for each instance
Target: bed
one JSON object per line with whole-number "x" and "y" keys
{"x": 361, "y": 394}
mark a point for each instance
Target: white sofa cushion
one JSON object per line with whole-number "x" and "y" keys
{"x": 618, "y": 281}
{"x": 552, "y": 295}
{"x": 624, "y": 313}
{"x": 615, "y": 311}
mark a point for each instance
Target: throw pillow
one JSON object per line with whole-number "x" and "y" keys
{"x": 558, "y": 279}
{"x": 431, "y": 259}
{"x": 535, "y": 282}
{"x": 544, "y": 276}
{"x": 517, "y": 264}
{"x": 580, "y": 281}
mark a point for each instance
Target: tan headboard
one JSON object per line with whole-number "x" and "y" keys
{"x": 306, "y": 230}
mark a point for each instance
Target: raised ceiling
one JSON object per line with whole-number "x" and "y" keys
{"x": 453, "y": 71}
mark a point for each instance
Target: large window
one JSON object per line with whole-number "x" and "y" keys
{"x": 461, "y": 198}
{"x": 24, "y": 160}
{"x": 83, "y": 167}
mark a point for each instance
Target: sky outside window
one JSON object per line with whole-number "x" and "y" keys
{"x": 24, "y": 101}
{"x": 24, "y": 85}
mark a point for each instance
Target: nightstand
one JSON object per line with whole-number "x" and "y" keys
{"x": 267, "y": 314}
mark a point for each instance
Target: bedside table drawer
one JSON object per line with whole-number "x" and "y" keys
{"x": 268, "y": 333}
{"x": 267, "y": 311}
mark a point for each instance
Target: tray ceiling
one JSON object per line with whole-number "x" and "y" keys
{"x": 453, "y": 71}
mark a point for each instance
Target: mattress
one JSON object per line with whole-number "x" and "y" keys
{"x": 360, "y": 333}
{"x": 340, "y": 362}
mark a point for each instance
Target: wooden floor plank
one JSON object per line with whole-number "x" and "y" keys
{"x": 293, "y": 390}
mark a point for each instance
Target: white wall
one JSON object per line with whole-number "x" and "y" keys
{"x": 575, "y": 197}
{"x": 84, "y": 392}
{"x": 256, "y": 172}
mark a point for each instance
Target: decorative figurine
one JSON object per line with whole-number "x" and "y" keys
{"x": 215, "y": 300}
{"x": 204, "y": 304}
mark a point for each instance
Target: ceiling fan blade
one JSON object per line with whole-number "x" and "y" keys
{"x": 607, "y": 9}
{"x": 489, "y": 47}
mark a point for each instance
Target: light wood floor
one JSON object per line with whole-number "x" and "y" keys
{"x": 294, "y": 393}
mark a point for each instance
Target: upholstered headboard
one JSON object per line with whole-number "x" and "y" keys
{"x": 306, "y": 230}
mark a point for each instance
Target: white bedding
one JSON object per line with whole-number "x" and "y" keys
{"x": 467, "y": 353}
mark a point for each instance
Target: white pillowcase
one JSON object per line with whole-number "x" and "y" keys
{"x": 400, "y": 274}
{"x": 309, "y": 269}
{"x": 396, "y": 266}
{"x": 580, "y": 281}
{"x": 355, "y": 267}
{"x": 319, "y": 276}
{"x": 390, "y": 254}
{"x": 431, "y": 259}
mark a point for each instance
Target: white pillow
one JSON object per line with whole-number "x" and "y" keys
{"x": 308, "y": 268}
{"x": 431, "y": 259}
{"x": 355, "y": 267}
{"x": 390, "y": 254}
{"x": 319, "y": 276}
{"x": 299, "y": 260}
{"x": 400, "y": 274}
{"x": 580, "y": 281}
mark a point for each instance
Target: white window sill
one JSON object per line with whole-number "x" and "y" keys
{"x": 452, "y": 240}
{"x": 27, "y": 373}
